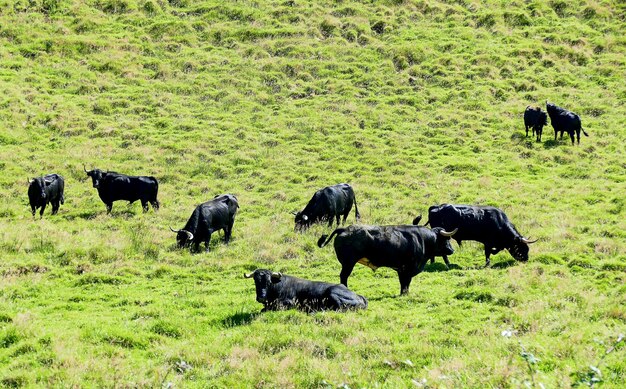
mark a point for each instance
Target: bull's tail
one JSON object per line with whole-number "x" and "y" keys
{"x": 417, "y": 220}
{"x": 582, "y": 129}
{"x": 324, "y": 239}
{"x": 357, "y": 215}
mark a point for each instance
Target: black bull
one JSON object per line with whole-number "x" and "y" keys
{"x": 404, "y": 248}
{"x": 277, "y": 291}
{"x": 327, "y": 204}
{"x": 535, "y": 118}
{"x": 208, "y": 217}
{"x": 487, "y": 225}
{"x": 565, "y": 121}
{"x": 113, "y": 186}
{"x": 46, "y": 190}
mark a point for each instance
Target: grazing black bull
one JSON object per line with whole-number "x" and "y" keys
{"x": 484, "y": 224}
{"x": 327, "y": 204}
{"x": 406, "y": 249}
{"x": 277, "y": 291}
{"x": 44, "y": 190}
{"x": 113, "y": 186}
{"x": 214, "y": 215}
{"x": 565, "y": 121}
{"x": 535, "y": 118}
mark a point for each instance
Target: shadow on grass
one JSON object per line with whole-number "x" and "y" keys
{"x": 550, "y": 144}
{"x": 240, "y": 318}
{"x": 518, "y": 136}
{"x": 86, "y": 215}
{"x": 504, "y": 264}
{"x": 439, "y": 267}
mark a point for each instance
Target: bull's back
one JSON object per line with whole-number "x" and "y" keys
{"x": 214, "y": 215}
{"x": 131, "y": 188}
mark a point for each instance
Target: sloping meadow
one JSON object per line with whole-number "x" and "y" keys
{"x": 414, "y": 103}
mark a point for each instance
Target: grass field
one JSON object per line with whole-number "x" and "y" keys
{"x": 414, "y": 103}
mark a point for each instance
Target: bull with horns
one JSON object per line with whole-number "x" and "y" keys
{"x": 208, "y": 217}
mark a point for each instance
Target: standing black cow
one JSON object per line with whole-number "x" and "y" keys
{"x": 405, "y": 249}
{"x": 484, "y": 224}
{"x": 327, "y": 204}
{"x": 565, "y": 121}
{"x": 277, "y": 291}
{"x": 44, "y": 190}
{"x": 535, "y": 118}
{"x": 113, "y": 186}
{"x": 214, "y": 215}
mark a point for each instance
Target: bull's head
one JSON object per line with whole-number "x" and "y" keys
{"x": 96, "y": 176}
{"x": 302, "y": 220}
{"x": 443, "y": 241}
{"x": 519, "y": 249}
{"x": 183, "y": 237}
{"x": 263, "y": 280}
{"x": 38, "y": 188}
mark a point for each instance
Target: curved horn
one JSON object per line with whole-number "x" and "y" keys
{"x": 293, "y": 213}
{"x": 84, "y": 168}
{"x": 189, "y": 234}
{"x": 248, "y": 275}
{"x": 173, "y": 230}
{"x": 448, "y": 234}
{"x": 528, "y": 241}
{"x": 276, "y": 276}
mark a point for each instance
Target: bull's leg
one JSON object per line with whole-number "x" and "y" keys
{"x": 55, "y": 208}
{"x": 561, "y": 137}
{"x": 109, "y": 207}
{"x": 33, "y": 210}
{"x": 487, "y": 254}
{"x": 346, "y": 270}
{"x": 405, "y": 281}
{"x": 555, "y": 134}
{"x": 526, "y": 129}
{"x": 144, "y": 205}
{"x": 43, "y": 207}
{"x": 338, "y": 219}
{"x": 206, "y": 243}
{"x": 330, "y": 220}
{"x": 445, "y": 259}
{"x": 155, "y": 205}
{"x": 571, "y": 135}
{"x": 577, "y": 137}
{"x": 432, "y": 259}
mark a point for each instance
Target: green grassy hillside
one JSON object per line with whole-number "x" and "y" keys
{"x": 412, "y": 102}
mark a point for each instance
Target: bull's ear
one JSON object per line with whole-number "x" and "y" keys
{"x": 276, "y": 277}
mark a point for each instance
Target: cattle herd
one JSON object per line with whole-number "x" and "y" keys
{"x": 562, "y": 121}
{"x": 403, "y": 248}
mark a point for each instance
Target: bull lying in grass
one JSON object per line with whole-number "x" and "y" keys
{"x": 277, "y": 291}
